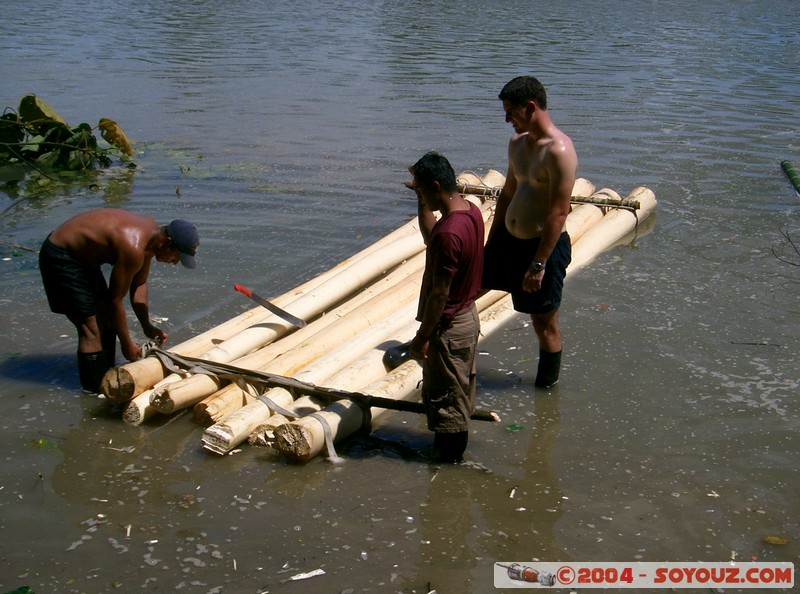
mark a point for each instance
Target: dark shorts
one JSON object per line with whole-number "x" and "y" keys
{"x": 72, "y": 287}
{"x": 448, "y": 374}
{"x": 505, "y": 261}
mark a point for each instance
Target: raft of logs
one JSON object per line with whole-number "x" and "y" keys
{"x": 258, "y": 379}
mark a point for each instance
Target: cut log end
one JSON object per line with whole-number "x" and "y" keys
{"x": 162, "y": 402}
{"x": 133, "y": 415}
{"x": 294, "y": 441}
{"x": 118, "y": 385}
{"x": 264, "y": 434}
{"x": 218, "y": 439}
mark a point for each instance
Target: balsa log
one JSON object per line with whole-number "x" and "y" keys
{"x": 583, "y": 187}
{"x": 138, "y": 410}
{"x": 264, "y": 433}
{"x": 204, "y": 387}
{"x": 188, "y": 393}
{"x": 304, "y": 438}
{"x": 615, "y": 225}
{"x": 314, "y": 303}
{"x": 123, "y": 383}
{"x": 237, "y": 427}
{"x": 222, "y": 437}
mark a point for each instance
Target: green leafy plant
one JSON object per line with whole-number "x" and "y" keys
{"x": 37, "y": 136}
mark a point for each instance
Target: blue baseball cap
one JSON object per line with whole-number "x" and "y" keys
{"x": 185, "y": 237}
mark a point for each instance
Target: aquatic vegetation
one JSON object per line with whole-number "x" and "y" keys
{"x": 39, "y": 149}
{"x": 36, "y": 135}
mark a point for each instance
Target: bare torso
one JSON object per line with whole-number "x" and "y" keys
{"x": 102, "y": 236}
{"x": 534, "y": 165}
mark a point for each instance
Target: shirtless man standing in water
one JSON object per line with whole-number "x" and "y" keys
{"x": 70, "y": 261}
{"x": 529, "y": 249}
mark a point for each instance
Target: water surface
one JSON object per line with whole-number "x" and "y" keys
{"x": 284, "y": 132}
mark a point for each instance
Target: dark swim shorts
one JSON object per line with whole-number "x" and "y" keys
{"x": 506, "y": 259}
{"x": 72, "y": 287}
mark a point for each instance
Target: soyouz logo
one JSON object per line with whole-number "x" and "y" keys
{"x": 523, "y": 574}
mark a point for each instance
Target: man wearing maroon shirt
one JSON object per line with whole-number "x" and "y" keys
{"x": 447, "y": 338}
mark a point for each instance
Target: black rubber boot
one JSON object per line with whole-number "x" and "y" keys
{"x": 396, "y": 355}
{"x": 549, "y": 368}
{"x": 91, "y": 369}
{"x": 450, "y": 447}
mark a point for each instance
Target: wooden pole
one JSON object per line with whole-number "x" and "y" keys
{"x": 197, "y": 388}
{"x": 304, "y": 438}
{"x": 314, "y": 303}
{"x": 200, "y": 387}
{"x": 613, "y": 227}
{"x": 138, "y": 410}
{"x": 237, "y": 427}
{"x": 123, "y": 383}
{"x": 220, "y": 404}
{"x": 222, "y": 437}
{"x": 194, "y": 389}
{"x": 264, "y": 434}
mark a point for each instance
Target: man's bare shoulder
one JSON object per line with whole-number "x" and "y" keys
{"x": 561, "y": 143}
{"x": 105, "y": 235}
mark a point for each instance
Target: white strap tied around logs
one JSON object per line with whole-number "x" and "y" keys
{"x": 326, "y": 431}
{"x": 275, "y": 407}
{"x": 169, "y": 360}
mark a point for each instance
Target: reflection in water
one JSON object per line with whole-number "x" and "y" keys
{"x": 464, "y": 520}
{"x": 298, "y": 126}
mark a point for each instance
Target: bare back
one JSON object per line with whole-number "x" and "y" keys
{"x": 106, "y": 236}
{"x": 544, "y": 171}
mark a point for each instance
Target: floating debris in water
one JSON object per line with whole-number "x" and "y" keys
{"x": 775, "y": 540}
{"x": 304, "y": 575}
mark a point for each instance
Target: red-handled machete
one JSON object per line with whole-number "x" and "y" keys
{"x": 282, "y": 313}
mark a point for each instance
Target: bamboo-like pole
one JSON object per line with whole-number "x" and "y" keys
{"x": 264, "y": 433}
{"x": 237, "y": 427}
{"x": 123, "y": 383}
{"x": 318, "y": 300}
{"x": 580, "y": 218}
{"x": 232, "y": 397}
{"x": 200, "y": 387}
{"x": 292, "y": 441}
{"x": 218, "y": 437}
{"x": 192, "y": 390}
{"x": 220, "y": 404}
{"x": 304, "y": 438}
{"x": 138, "y": 410}
{"x": 613, "y": 227}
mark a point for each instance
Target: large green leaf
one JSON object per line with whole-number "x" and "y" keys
{"x": 33, "y": 110}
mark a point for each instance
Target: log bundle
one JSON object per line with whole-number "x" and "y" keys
{"x": 259, "y": 380}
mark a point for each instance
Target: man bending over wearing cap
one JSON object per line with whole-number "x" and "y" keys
{"x": 70, "y": 261}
